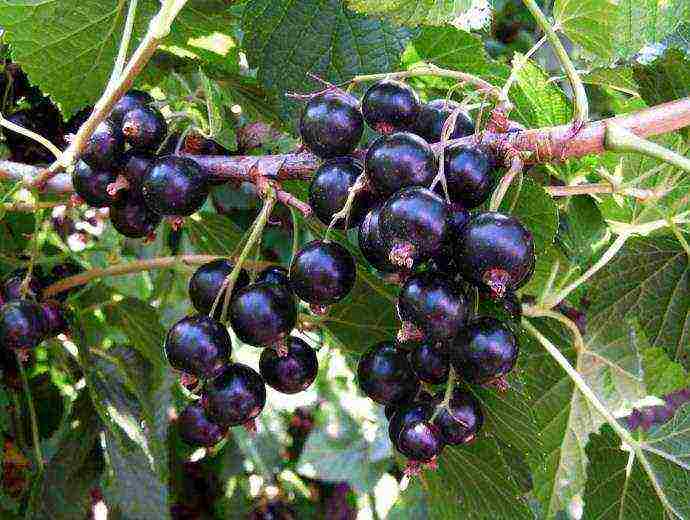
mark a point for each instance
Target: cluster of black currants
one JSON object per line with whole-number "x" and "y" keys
{"x": 439, "y": 251}
{"x": 120, "y": 169}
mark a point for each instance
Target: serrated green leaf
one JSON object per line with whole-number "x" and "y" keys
{"x": 661, "y": 375}
{"x": 582, "y": 230}
{"x": 618, "y": 78}
{"x": 286, "y": 40}
{"x": 665, "y": 78}
{"x": 415, "y": 12}
{"x": 649, "y": 281}
{"x": 587, "y": 23}
{"x": 213, "y": 234}
{"x": 535, "y": 208}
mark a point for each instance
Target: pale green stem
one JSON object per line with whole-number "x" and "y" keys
{"x": 31, "y": 135}
{"x": 32, "y": 416}
{"x": 618, "y": 139}
{"x": 124, "y": 45}
{"x": 295, "y": 233}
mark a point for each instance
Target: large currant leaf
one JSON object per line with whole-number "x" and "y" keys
{"x": 416, "y": 12}
{"x": 588, "y": 23}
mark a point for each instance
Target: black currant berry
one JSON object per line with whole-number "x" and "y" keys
{"x": 45, "y": 123}
{"x": 207, "y": 281}
{"x": 263, "y": 314}
{"x": 61, "y": 271}
{"x": 275, "y": 274}
{"x": 484, "y": 351}
{"x": 11, "y": 288}
{"x": 135, "y": 164}
{"x": 196, "y": 429}
{"x": 236, "y": 396}
{"x": 417, "y": 410}
{"x": 445, "y": 260}
{"x": 175, "y": 186}
{"x": 413, "y": 226}
{"x": 92, "y": 185}
{"x": 322, "y": 273}
{"x": 371, "y": 242}
{"x": 469, "y": 175}
{"x": 431, "y": 363}
{"x": 432, "y": 303}
{"x": 422, "y": 396}
{"x": 385, "y": 374}
{"x": 22, "y": 325}
{"x": 292, "y": 372}
{"x": 105, "y": 147}
{"x": 390, "y": 105}
{"x": 132, "y": 218}
{"x": 198, "y": 345}
{"x": 330, "y": 187}
{"x": 331, "y": 124}
{"x": 55, "y": 318}
{"x": 459, "y": 421}
{"x": 433, "y": 115}
{"x": 399, "y": 160}
{"x": 133, "y": 99}
{"x": 144, "y": 128}
{"x": 420, "y": 441}
{"x": 496, "y": 251}
{"x": 274, "y": 510}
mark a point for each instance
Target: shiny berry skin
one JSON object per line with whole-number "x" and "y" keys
{"x": 390, "y": 105}
{"x": 484, "y": 350}
{"x": 445, "y": 260}
{"x": 131, "y": 217}
{"x": 431, "y": 363}
{"x": 434, "y": 305}
{"x": 331, "y": 124}
{"x": 413, "y": 226}
{"x": 22, "y": 325}
{"x": 422, "y": 396}
{"x": 275, "y": 274}
{"x": 207, "y": 281}
{"x": 461, "y": 420}
{"x": 293, "y": 372}
{"x": 131, "y": 100}
{"x": 144, "y": 128}
{"x": 433, "y": 115}
{"x": 469, "y": 175}
{"x": 262, "y": 314}
{"x": 420, "y": 441}
{"x": 330, "y": 188}
{"x": 497, "y": 252}
{"x": 175, "y": 186}
{"x": 385, "y": 375}
{"x": 417, "y": 410}
{"x": 322, "y": 273}
{"x": 198, "y": 345}
{"x": 105, "y": 147}
{"x": 11, "y": 288}
{"x": 371, "y": 243}
{"x": 92, "y": 185}
{"x": 236, "y": 396}
{"x": 54, "y": 317}
{"x": 399, "y": 160}
{"x": 195, "y": 428}
{"x": 135, "y": 164}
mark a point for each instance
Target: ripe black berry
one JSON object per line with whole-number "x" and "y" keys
{"x": 433, "y": 115}
{"x": 292, "y": 372}
{"x": 399, "y": 160}
{"x": 484, "y": 351}
{"x": 469, "y": 175}
{"x": 275, "y": 274}
{"x": 434, "y": 305}
{"x": 21, "y": 325}
{"x": 431, "y": 363}
{"x": 198, "y": 345}
{"x": 105, "y": 147}
{"x": 419, "y": 441}
{"x": 236, "y": 396}
{"x": 445, "y": 259}
{"x": 11, "y": 288}
{"x": 92, "y": 185}
{"x": 496, "y": 251}
{"x": 133, "y": 99}
{"x": 417, "y": 410}
{"x": 134, "y": 167}
{"x": 390, "y": 105}
{"x": 330, "y": 187}
{"x": 196, "y": 429}
{"x": 331, "y": 124}
{"x": 371, "y": 242}
{"x": 54, "y": 318}
{"x": 422, "y": 396}
{"x": 144, "y": 128}
{"x": 322, "y": 273}
{"x": 385, "y": 374}
{"x": 275, "y": 510}
{"x": 60, "y": 271}
{"x": 132, "y": 218}
{"x": 175, "y": 186}
{"x": 461, "y": 420}
{"x": 207, "y": 281}
{"x": 263, "y": 314}
{"x": 413, "y": 226}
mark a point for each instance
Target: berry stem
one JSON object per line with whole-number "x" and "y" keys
{"x": 36, "y": 439}
{"x": 344, "y": 213}
{"x": 38, "y": 222}
{"x": 31, "y": 135}
{"x": 618, "y": 139}
{"x": 517, "y": 165}
{"x": 447, "y": 395}
{"x": 124, "y": 45}
{"x": 538, "y": 312}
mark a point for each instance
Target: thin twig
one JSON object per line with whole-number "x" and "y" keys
{"x": 516, "y": 167}
{"x": 124, "y": 45}
{"x": 36, "y": 438}
{"x": 31, "y": 135}
{"x": 618, "y": 139}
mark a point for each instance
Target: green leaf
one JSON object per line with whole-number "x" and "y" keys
{"x": 665, "y": 78}
{"x": 413, "y": 504}
{"x": 582, "y": 230}
{"x": 618, "y": 78}
{"x": 588, "y": 23}
{"x": 286, "y": 40}
{"x": 213, "y": 234}
{"x": 536, "y": 210}
{"x": 661, "y": 375}
{"x": 413, "y": 12}
{"x": 648, "y": 282}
